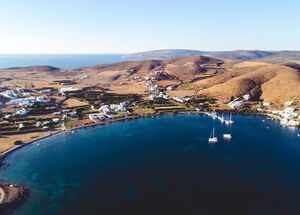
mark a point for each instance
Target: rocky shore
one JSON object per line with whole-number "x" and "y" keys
{"x": 10, "y": 195}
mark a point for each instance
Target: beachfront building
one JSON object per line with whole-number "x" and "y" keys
{"x": 288, "y": 113}
{"x": 120, "y": 108}
{"x": 114, "y": 108}
{"x": 289, "y": 122}
{"x": 96, "y": 117}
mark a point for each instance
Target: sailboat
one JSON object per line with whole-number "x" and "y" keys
{"x": 230, "y": 121}
{"x": 227, "y": 136}
{"x": 212, "y": 138}
{"x": 222, "y": 119}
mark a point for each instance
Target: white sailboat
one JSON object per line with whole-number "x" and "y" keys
{"x": 222, "y": 119}
{"x": 212, "y": 138}
{"x": 230, "y": 121}
{"x": 227, "y": 136}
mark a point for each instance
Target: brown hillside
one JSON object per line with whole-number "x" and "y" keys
{"x": 271, "y": 82}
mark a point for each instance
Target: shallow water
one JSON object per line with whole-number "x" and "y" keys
{"x": 162, "y": 165}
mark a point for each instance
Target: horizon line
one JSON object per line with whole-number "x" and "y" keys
{"x": 128, "y": 53}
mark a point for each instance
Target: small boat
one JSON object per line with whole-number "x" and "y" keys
{"x": 230, "y": 121}
{"x": 227, "y": 136}
{"x": 222, "y": 119}
{"x": 212, "y": 138}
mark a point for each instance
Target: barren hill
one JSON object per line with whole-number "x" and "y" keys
{"x": 221, "y": 79}
{"x": 270, "y": 82}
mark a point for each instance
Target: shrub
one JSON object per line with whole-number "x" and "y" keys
{"x": 19, "y": 142}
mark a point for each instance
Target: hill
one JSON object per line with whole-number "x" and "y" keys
{"x": 257, "y": 55}
{"x": 213, "y": 77}
{"x": 166, "y": 54}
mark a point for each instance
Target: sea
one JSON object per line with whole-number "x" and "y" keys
{"x": 161, "y": 165}
{"x": 66, "y": 61}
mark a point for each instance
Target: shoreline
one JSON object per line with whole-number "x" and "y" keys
{"x": 54, "y": 133}
{"x": 22, "y": 191}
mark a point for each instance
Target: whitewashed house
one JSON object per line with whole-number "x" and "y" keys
{"x": 105, "y": 109}
{"x": 40, "y": 99}
{"x": 21, "y": 112}
{"x": 9, "y": 94}
{"x": 236, "y": 104}
{"x": 68, "y": 89}
{"x": 246, "y": 97}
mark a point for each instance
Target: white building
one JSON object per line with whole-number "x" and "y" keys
{"x": 105, "y": 109}
{"x": 288, "y": 103}
{"x": 21, "y": 112}
{"x": 68, "y": 89}
{"x": 9, "y": 94}
{"x": 21, "y": 101}
{"x": 178, "y": 99}
{"x": 246, "y": 97}
{"x": 40, "y": 99}
{"x": 56, "y": 120}
{"x": 154, "y": 88}
{"x": 288, "y": 112}
{"x": 236, "y": 104}
{"x": 96, "y": 117}
{"x": 38, "y": 124}
{"x": 121, "y": 108}
{"x": 152, "y": 97}
{"x": 169, "y": 88}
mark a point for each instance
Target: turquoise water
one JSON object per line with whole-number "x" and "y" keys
{"x": 67, "y": 61}
{"x": 162, "y": 165}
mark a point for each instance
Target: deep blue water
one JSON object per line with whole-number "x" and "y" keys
{"x": 162, "y": 165}
{"x": 67, "y": 61}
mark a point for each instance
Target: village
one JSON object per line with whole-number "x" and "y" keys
{"x": 29, "y": 110}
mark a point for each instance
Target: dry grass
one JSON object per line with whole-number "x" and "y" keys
{"x": 8, "y": 141}
{"x": 70, "y": 103}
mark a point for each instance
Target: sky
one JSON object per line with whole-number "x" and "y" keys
{"x": 128, "y": 26}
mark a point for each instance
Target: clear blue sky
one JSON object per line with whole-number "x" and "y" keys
{"x": 126, "y": 26}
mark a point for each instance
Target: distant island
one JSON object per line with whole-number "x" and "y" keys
{"x": 257, "y": 55}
